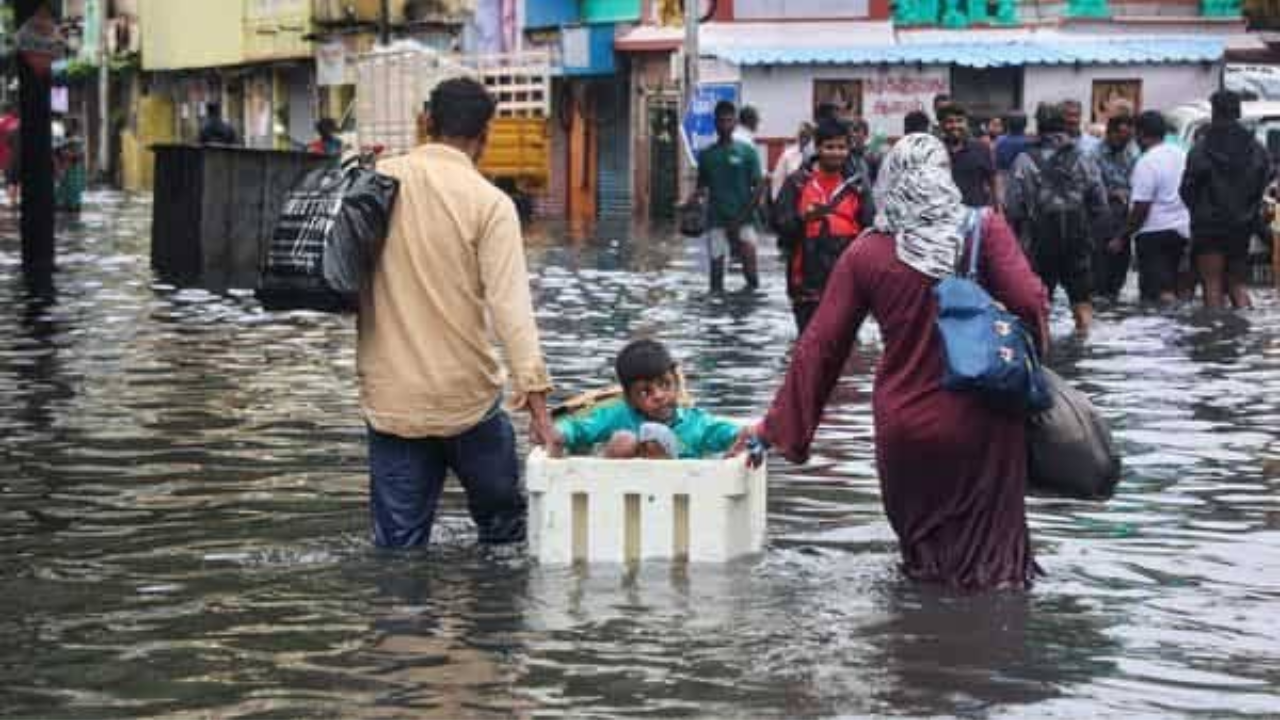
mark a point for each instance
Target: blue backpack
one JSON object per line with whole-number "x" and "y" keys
{"x": 986, "y": 348}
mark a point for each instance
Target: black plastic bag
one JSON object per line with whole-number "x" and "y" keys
{"x": 694, "y": 217}
{"x": 327, "y": 240}
{"x": 1070, "y": 451}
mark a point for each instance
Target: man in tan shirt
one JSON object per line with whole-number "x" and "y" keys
{"x": 451, "y": 277}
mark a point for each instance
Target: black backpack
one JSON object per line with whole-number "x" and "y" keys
{"x": 1063, "y": 182}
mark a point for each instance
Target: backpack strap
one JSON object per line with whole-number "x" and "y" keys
{"x": 972, "y": 234}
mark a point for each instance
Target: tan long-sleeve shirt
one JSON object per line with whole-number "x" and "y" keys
{"x": 451, "y": 277}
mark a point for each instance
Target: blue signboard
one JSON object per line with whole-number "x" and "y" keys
{"x": 699, "y": 126}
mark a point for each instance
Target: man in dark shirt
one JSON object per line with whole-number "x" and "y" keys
{"x": 861, "y": 157}
{"x": 972, "y": 166}
{"x": 217, "y": 131}
{"x": 1013, "y": 143}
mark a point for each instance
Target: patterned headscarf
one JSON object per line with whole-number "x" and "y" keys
{"x": 919, "y": 204}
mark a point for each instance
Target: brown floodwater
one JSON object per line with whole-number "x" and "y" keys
{"x": 183, "y": 527}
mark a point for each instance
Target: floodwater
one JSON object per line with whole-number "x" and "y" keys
{"x": 183, "y": 527}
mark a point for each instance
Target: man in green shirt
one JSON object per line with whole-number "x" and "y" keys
{"x": 729, "y": 179}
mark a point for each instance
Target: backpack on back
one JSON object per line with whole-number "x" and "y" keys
{"x": 1063, "y": 182}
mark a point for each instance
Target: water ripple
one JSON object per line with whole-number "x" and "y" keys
{"x": 183, "y": 523}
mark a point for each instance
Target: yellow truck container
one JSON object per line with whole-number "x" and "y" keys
{"x": 519, "y": 148}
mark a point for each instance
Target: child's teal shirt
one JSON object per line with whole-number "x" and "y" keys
{"x": 700, "y": 433}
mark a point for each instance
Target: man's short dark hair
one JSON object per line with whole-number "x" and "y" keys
{"x": 1051, "y": 118}
{"x": 214, "y": 109}
{"x": 461, "y": 108}
{"x": 830, "y": 130}
{"x": 1151, "y": 125}
{"x": 749, "y": 117}
{"x": 1119, "y": 121}
{"x": 941, "y": 99}
{"x": 1016, "y": 123}
{"x": 861, "y": 125}
{"x": 950, "y": 110}
{"x": 915, "y": 122}
{"x": 724, "y": 107}
{"x": 1225, "y": 105}
{"x": 642, "y": 360}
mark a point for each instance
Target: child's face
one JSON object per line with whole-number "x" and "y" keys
{"x": 654, "y": 398}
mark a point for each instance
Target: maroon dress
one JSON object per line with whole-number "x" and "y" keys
{"x": 953, "y": 472}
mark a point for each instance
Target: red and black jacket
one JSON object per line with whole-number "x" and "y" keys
{"x": 813, "y": 248}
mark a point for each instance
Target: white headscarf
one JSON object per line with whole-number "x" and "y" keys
{"x": 919, "y": 204}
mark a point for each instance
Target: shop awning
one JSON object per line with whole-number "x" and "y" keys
{"x": 648, "y": 38}
{"x": 989, "y": 53}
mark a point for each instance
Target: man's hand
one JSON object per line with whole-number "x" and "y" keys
{"x": 542, "y": 431}
{"x": 816, "y": 212}
{"x": 1117, "y": 246}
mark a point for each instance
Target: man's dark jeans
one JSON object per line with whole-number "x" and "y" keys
{"x": 407, "y": 476}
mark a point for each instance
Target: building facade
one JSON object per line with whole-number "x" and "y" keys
{"x": 871, "y": 58}
{"x": 994, "y": 58}
{"x": 591, "y": 152}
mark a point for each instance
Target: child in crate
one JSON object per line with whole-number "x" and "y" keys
{"x": 648, "y": 420}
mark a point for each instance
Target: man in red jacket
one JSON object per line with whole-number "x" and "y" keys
{"x": 818, "y": 213}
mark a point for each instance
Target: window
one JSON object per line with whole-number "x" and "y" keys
{"x": 987, "y": 92}
{"x": 845, "y": 95}
{"x": 1107, "y": 94}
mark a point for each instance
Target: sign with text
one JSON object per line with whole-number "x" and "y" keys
{"x": 889, "y": 97}
{"x": 699, "y": 125}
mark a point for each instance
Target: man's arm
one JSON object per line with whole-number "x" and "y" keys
{"x": 1018, "y": 191}
{"x": 1138, "y": 213}
{"x": 758, "y": 188}
{"x": 1190, "y": 185}
{"x": 1096, "y": 197}
{"x": 992, "y": 178}
{"x": 1142, "y": 195}
{"x": 504, "y": 278}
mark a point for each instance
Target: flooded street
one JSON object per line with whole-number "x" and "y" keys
{"x": 183, "y": 523}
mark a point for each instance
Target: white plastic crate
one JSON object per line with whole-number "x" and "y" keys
{"x": 586, "y": 509}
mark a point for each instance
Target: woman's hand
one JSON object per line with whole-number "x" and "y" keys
{"x": 750, "y": 441}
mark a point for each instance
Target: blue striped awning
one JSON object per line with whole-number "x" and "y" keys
{"x": 989, "y": 53}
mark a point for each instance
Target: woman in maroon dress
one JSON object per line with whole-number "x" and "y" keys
{"x": 952, "y": 470}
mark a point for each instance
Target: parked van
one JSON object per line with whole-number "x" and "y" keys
{"x": 1262, "y": 117}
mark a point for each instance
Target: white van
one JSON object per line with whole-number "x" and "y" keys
{"x": 1263, "y": 117}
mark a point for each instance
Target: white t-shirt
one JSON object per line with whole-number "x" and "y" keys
{"x": 1156, "y": 179}
{"x": 791, "y": 161}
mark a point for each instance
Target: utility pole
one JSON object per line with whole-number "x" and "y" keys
{"x": 104, "y": 91}
{"x": 690, "y": 94}
{"x": 36, "y": 157}
{"x": 691, "y": 51}
{"x": 384, "y": 23}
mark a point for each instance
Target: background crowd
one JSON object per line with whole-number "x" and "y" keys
{"x": 1087, "y": 204}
